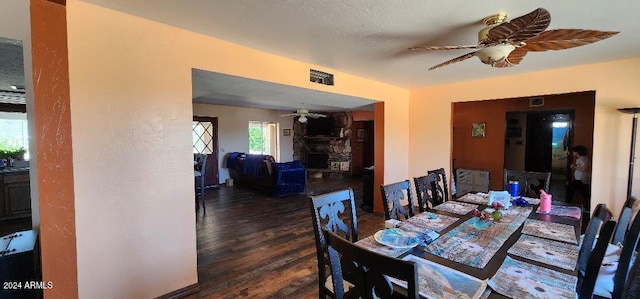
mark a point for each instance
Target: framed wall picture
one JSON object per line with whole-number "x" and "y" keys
{"x": 478, "y": 129}
{"x": 286, "y": 132}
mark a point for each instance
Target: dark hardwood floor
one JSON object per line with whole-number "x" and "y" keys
{"x": 257, "y": 246}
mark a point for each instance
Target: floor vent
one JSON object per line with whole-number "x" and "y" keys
{"x": 320, "y": 77}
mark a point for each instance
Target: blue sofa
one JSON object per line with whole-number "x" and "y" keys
{"x": 261, "y": 172}
{"x": 290, "y": 178}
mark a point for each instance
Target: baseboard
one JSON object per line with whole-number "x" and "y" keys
{"x": 181, "y": 293}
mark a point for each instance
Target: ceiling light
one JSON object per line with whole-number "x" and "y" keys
{"x": 493, "y": 54}
{"x": 302, "y": 119}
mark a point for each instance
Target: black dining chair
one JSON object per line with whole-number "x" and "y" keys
{"x": 334, "y": 211}
{"x": 441, "y": 186}
{"x": 604, "y": 286}
{"x": 632, "y": 287}
{"x": 530, "y": 182}
{"x": 600, "y": 216}
{"x": 368, "y": 271}
{"x": 199, "y": 174}
{"x": 425, "y": 191}
{"x": 392, "y": 194}
{"x": 587, "y": 283}
{"x": 623, "y": 220}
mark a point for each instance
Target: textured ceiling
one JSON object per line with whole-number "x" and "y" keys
{"x": 11, "y": 71}
{"x": 369, "y": 38}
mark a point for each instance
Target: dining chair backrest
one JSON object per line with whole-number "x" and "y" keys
{"x": 442, "y": 189}
{"x": 336, "y": 212}
{"x": 587, "y": 283}
{"x": 632, "y": 287}
{"x": 623, "y": 220}
{"x": 425, "y": 191}
{"x": 368, "y": 271}
{"x": 629, "y": 250}
{"x": 600, "y": 215}
{"x": 530, "y": 182}
{"x": 199, "y": 174}
{"x": 392, "y": 194}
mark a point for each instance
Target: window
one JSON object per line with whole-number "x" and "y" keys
{"x": 263, "y": 138}
{"x": 203, "y": 137}
{"x": 14, "y": 132}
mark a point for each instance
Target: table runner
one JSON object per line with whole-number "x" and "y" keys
{"x": 475, "y": 241}
{"x": 460, "y": 208}
{"x": 483, "y": 198}
{"x": 550, "y": 230}
{"x": 573, "y": 212}
{"x": 438, "y": 281}
{"x": 518, "y": 279}
{"x": 546, "y": 251}
{"x": 432, "y": 221}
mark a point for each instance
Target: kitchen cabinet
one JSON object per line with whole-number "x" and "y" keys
{"x": 15, "y": 196}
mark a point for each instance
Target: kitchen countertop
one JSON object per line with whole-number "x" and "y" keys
{"x": 14, "y": 169}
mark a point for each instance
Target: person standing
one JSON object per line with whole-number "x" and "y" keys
{"x": 581, "y": 173}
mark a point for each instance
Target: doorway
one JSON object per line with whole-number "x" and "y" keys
{"x": 205, "y": 141}
{"x": 540, "y": 141}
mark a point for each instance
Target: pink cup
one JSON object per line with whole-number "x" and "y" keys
{"x": 545, "y": 203}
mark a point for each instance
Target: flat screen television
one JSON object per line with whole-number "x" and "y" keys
{"x": 324, "y": 126}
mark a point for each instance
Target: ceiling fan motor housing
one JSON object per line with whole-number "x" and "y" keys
{"x": 490, "y": 22}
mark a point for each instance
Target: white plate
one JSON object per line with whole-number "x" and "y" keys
{"x": 395, "y": 238}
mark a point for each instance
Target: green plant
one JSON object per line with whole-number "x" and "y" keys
{"x": 11, "y": 151}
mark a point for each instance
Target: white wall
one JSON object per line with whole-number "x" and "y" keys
{"x": 233, "y": 130}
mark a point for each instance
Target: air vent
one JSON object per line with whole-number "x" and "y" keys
{"x": 536, "y": 102}
{"x": 320, "y": 77}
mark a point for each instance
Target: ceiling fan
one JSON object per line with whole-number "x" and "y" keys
{"x": 504, "y": 44}
{"x": 303, "y": 114}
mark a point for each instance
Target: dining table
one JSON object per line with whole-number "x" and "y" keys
{"x": 462, "y": 251}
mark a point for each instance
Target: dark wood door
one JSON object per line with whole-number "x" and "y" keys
{"x": 205, "y": 141}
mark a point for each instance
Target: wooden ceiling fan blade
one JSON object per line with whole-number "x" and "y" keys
{"x": 560, "y": 39}
{"x": 432, "y": 48}
{"x": 513, "y": 59}
{"x": 457, "y": 59}
{"x": 315, "y": 115}
{"x": 521, "y": 28}
{"x": 290, "y": 115}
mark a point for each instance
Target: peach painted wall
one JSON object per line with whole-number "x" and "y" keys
{"x": 616, "y": 86}
{"x": 131, "y": 82}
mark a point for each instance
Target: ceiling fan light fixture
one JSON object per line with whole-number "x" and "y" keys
{"x": 492, "y": 54}
{"x": 302, "y": 119}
